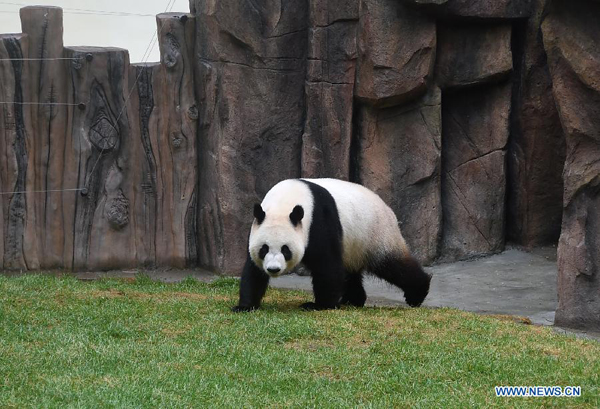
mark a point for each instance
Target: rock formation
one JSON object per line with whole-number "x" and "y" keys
{"x": 537, "y": 144}
{"x": 399, "y": 157}
{"x": 475, "y": 133}
{"x": 329, "y": 88}
{"x": 571, "y": 36}
{"x": 251, "y": 71}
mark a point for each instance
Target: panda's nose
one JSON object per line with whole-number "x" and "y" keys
{"x": 273, "y": 270}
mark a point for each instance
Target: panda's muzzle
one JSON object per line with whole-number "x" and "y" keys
{"x": 274, "y": 264}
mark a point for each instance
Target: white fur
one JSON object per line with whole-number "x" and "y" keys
{"x": 369, "y": 225}
{"x": 277, "y": 230}
{"x": 275, "y": 260}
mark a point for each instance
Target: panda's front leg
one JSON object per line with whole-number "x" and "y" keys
{"x": 328, "y": 286}
{"x": 253, "y": 286}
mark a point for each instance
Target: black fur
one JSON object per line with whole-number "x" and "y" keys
{"x": 405, "y": 273}
{"x": 287, "y": 253}
{"x": 354, "y": 292}
{"x": 252, "y": 287}
{"x": 264, "y": 250}
{"x": 259, "y": 213}
{"x": 297, "y": 215}
{"x": 323, "y": 256}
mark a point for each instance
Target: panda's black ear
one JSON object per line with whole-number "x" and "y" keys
{"x": 297, "y": 215}
{"x": 259, "y": 214}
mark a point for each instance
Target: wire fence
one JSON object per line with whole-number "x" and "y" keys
{"x": 82, "y": 105}
{"x": 41, "y": 191}
{"x": 41, "y": 59}
{"x": 70, "y": 10}
{"x": 147, "y": 54}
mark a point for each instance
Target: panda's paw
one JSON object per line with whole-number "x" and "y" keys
{"x": 309, "y": 306}
{"x": 240, "y": 308}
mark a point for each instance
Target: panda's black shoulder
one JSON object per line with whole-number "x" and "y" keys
{"x": 326, "y": 228}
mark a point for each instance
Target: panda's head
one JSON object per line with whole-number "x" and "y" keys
{"x": 276, "y": 242}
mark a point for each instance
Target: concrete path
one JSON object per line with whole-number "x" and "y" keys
{"x": 514, "y": 283}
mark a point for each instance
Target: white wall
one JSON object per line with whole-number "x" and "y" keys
{"x": 129, "y": 32}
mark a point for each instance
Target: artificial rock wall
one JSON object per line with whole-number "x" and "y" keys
{"x": 476, "y": 120}
{"x": 435, "y": 105}
{"x": 571, "y": 36}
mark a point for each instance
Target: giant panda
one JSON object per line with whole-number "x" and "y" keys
{"x": 338, "y": 230}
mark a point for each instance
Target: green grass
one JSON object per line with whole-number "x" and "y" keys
{"x": 138, "y": 344}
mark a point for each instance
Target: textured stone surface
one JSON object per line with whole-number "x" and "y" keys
{"x": 99, "y": 161}
{"x": 400, "y": 159}
{"x": 536, "y": 153}
{"x": 475, "y": 9}
{"x": 571, "y": 38}
{"x": 398, "y": 69}
{"x": 328, "y": 130}
{"x": 578, "y": 261}
{"x": 329, "y": 88}
{"x": 326, "y": 12}
{"x": 472, "y": 54}
{"x": 251, "y": 69}
{"x": 332, "y": 52}
{"x": 168, "y": 118}
{"x": 18, "y": 244}
{"x": 44, "y": 26}
{"x": 475, "y": 133}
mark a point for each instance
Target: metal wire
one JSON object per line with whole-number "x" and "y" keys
{"x": 145, "y": 57}
{"x": 71, "y": 10}
{"x": 47, "y": 103}
{"x": 39, "y": 59}
{"x": 39, "y": 191}
{"x": 89, "y": 14}
{"x": 40, "y": 103}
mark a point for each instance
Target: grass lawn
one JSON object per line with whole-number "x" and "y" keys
{"x": 130, "y": 344}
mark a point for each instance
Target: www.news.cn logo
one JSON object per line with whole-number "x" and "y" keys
{"x": 538, "y": 391}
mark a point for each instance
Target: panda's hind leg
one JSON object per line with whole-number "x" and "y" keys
{"x": 354, "y": 292}
{"x": 405, "y": 273}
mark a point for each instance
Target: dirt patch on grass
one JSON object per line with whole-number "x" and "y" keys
{"x": 112, "y": 293}
{"x": 191, "y": 296}
{"x": 282, "y": 301}
{"x": 326, "y": 372}
{"x": 309, "y": 344}
{"x": 158, "y": 297}
{"x": 17, "y": 301}
{"x": 175, "y": 332}
{"x": 511, "y": 318}
{"x": 352, "y": 340}
{"x": 551, "y": 350}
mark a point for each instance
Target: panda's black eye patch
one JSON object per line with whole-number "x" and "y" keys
{"x": 285, "y": 250}
{"x": 263, "y": 251}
